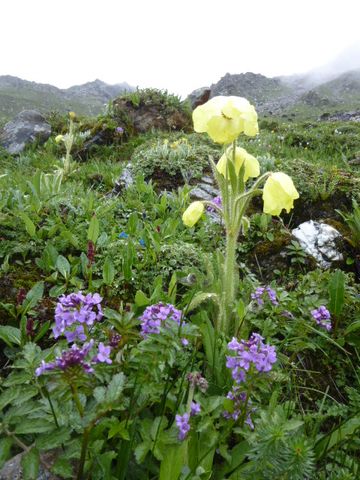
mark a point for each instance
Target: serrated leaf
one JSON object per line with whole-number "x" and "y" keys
{"x": 63, "y": 467}
{"x": 200, "y": 298}
{"x": 8, "y": 396}
{"x": 115, "y": 388}
{"x": 119, "y": 429}
{"x": 33, "y": 425}
{"x": 10, "y": 335}
{"x": 30, "y": 463}
{"x": 141, "y": 451}
{"x": 53, "y": 439}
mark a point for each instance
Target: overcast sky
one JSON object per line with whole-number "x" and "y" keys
{"x": 175, "y": 45}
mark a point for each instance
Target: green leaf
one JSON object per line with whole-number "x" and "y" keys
{"x": 53, "y": 439}
{"x": 115, "y": 388}
{"x": 337, "y": 292}
{"x": 345, "y": 430}
{"x": 33, "y": 296}
{"x": 108, "y": 271}
{"x": 63, "y": 467}
{"x": 29, "y": 225}
{"x": 170, "y": 467}
{"x": 94, "y": 229}
{"x": 7, "y": 396}
{"x": 57, "y": 290}
{"x": 5, "y": 450}
{"x": 142, "y": 450}
{"x": 63, "y": 266}
{"x": 34, "y": 425}
{"x": 200, "y": 298}
{"x": 30, "y": 463}
{"x": 119, "y": 429}
{"x": 10, "y": 335}
{"x": 141, "y": 300}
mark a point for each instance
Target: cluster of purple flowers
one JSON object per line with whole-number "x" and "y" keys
{"x": 77, "y": 357}
{"x": 321, "y": 316}
{"x": 183, "y": 421}
{"x": 252, "y": 352}
{"x": 218, "y": 202}
{"x": 239, "y": 401}
{"x": 258, "y": 295}
{"x": 156, "y": 316}
{"x": 76, "y": 310}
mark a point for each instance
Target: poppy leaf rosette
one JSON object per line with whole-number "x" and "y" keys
{"x": 193, "y": 213}
{"x": 279, "y": 193}
{"x": 252, "y": 167}
{"x": 224, "y": 118}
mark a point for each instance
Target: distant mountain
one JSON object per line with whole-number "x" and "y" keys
{"x": 297, "y": 95}
{"x": 88, "y": 99}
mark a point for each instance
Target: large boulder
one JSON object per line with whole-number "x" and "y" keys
{"x": 27, "y": 127}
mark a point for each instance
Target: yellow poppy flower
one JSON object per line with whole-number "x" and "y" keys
{"x": 279, "y": 192}
{"x": 224, "y": 118}
{"x": 58, "y": 138}
{"x": 193, "y": 213}
{"x": 252, "y": 167}
{"x": 72, "y": 115}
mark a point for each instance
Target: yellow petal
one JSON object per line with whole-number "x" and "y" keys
{"x": 224, "y": 118}
{"x": 58, "y": 138}
{"x": 279, "y": 193}
{"x": 193, "y": 213}
{"x": 252, "y": 167}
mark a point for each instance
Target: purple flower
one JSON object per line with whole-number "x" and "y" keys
{"x": 76, "y": 308}
{"x": 322, "y": 316}
{"x": 74, "y": 357}
{"x": 182, "y": 422}
{"x": 156, "y": 315}
{"x": 77, "y": 334}
{"x": 103, "y": 355}
{"x": 252, "y": 352}
{"x": 115, "y": 339}
{"x": 119, "y": 130}
{"x": 217, "y": 201}
{"x": 258, "y": 295}
{"x": 195, "y": 408}
{"x": 184, "y": 342}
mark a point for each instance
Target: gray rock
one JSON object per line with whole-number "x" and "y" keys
{"x": 12, "y": 468}
{"x": 126, "y": 180}
{"x": 319, "y": 241}
{"x": 199, "y": 97}
{"x": 25, "y": 128}
{"x": 199, "y": 194}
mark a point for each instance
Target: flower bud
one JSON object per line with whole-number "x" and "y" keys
{"x": 58, "y": 138}
{"x": 193, "y": 213}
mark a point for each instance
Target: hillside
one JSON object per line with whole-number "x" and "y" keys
{"x": 298, "y": 95}
{"x": 87, "y": 99}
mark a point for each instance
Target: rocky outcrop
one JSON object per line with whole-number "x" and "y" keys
{"x": 27, "y": 127}
{"x": 199, "y": 97}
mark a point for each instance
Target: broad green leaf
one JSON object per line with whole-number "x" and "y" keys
{"x": 63, "y": 266}
{"x": 10, "y": 335}
{"x": 7, "y": 396}
{"x": 337, "y": 292}
{"x": 30, "y": 463}
{"x": 119, "y": 429}
{"x": 345, "y": 430}
{"x": 94, "y": 229}
{"x": 115, "y": 388}
{"x": 108, "y": 271}
{"x": 142, "y": 450}
{"x": 29, "y": 225}
{"x": 171, "y": 466}
{"x": 33, "y": 296}
{"x": 141, "y": 300}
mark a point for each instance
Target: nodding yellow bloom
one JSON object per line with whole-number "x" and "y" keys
{"x": 193, "y": 213}
{"x": 224, "y": 118}
{"x": 252, "y": 167}
{"x": 58, "y": 138}
{"x": 72, "y": 115}
{"x": 279, "y": 192}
